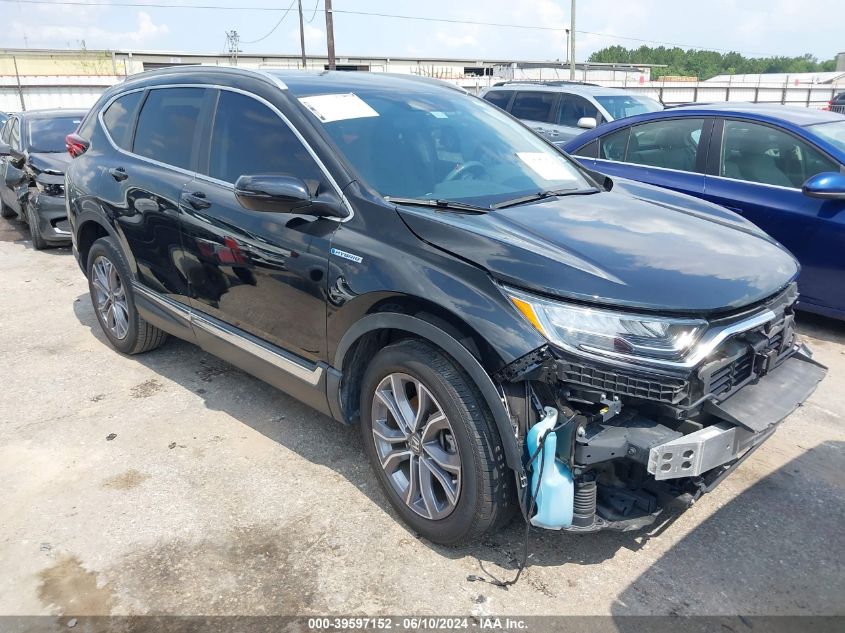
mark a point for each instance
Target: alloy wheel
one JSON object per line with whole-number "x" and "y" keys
{"x": 416, "y": 446}
{"x": 110, "y": 297}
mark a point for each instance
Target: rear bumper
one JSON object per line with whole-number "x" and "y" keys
{"x": 52, "y": 219}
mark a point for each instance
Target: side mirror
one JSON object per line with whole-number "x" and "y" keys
{"x": 13, "y": 176}
{"x": 587, "y": 122}
{"x": 828, "y": 185}
{"x": 5, "y": 149}
{"x": 284, "y": 194}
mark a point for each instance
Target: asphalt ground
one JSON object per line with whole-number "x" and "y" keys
{"x": 173, "y": 483}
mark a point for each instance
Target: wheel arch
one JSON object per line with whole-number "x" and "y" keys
{"x": 369, "y": 334}
{"x": 89, "y": 230}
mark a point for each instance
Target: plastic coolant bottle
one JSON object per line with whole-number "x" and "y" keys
{"x": 555, "y": 497}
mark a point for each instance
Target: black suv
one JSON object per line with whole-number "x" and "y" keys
{"x": 401, "y": 255}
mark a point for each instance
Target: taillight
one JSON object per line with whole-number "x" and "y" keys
{"x": 76, "y": 145}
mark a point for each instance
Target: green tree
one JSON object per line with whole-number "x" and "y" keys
{"x": 706, "y": 64}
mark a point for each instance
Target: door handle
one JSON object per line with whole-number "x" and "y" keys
{"x": 118, "y": 173}
{"x": 196, "y": 199}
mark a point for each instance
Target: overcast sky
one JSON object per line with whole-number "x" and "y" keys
{"x": 752, "y": 27}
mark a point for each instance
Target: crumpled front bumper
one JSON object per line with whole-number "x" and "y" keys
{"x": 51, "y": 215}
{"x": 747, "y": 417}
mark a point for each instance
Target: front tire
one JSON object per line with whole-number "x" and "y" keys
{"x": 114, "y": 301}
{"x": 433, "y": 445}
{"x": 38, "y": 242}
{"x": 6, "y": 211}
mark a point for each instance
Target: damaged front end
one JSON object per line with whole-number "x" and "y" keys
{"x": 639, "y": 436}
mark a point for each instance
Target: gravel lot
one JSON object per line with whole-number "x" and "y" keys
{"x": 217, "y": 494}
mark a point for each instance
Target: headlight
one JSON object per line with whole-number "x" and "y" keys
{"x": 582, "y": 328}
{"x": 50, "y": 189}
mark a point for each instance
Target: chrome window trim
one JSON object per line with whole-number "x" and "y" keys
{"x": 194, "y": 174}
{"x": 308, "y": 374}
{"x": 619, "y": 162}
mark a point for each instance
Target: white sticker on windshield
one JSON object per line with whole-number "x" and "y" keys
{"x": 439, "y": 115}
{"x": 338, "y": 107}
{"x": 547, "y": 166}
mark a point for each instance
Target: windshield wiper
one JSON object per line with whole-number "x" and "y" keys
{"x": 542, "y": 195}
{"x": 438, "y": 204}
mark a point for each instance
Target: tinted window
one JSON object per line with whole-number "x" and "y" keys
{"x": 48, "y": 135}
{"x": 590, "y": 150}
{"x": 671, "y": 144}
{"x": 499, "y": 98}
{"x": 572, "y": 108}
{"x": 249, "y": 138}
{"x": 612, "y": 146}
{"x": 165, "y": 130}
{"x": 620, "y": 106}
{"x": 759, "y": 153}
{"x": 533, "y": 106}
{"x": 118, "y": 118}
{"x": 15, "y": 134}
{"x": 6, "y": 131}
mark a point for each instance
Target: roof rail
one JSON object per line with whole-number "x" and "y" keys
{"x": 545, "y": 82}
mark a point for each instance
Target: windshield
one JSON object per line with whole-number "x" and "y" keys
{"x": 48, "y": 135}
{"x": 621, "y": 106}
{"x": 833, "y": 133}
{"x": 441, "y": 145}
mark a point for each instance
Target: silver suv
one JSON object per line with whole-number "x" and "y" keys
{"x": 561, "y": 110}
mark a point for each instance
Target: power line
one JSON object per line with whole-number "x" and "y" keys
{"x": 314, "y": 15}
{"x": 284, "y": 15}
{"x": 159, "y": 5}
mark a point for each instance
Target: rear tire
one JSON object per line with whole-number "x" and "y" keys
{"x": 114, "y": 300}
{"x": 473, "y": 491}
{"x": 38, "y": 242}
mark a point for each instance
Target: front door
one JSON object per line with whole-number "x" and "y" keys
{"x": 262, "y": 273}
{"x": 758, "y": 174}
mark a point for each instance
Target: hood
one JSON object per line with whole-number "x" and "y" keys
{"x": 52, "y": 163}
{"x": 618, "y": 249}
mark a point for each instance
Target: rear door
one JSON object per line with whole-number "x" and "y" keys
{"x": 535, "y": 108}
{"x": 757, "y": 170}
{"x": 143, "y": 179}
{"x": 669, "y": 153}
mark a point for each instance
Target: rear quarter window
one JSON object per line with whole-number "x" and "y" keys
{"x": 119, "y": 116}
{"x": 499, "y": 98}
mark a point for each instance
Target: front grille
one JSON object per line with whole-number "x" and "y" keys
{"x": 740, "y": 359}
{"x": 668, "y": 390}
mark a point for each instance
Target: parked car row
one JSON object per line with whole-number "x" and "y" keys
{"x": 512, "y": 331}
{"x": 33, "y": 156}
{"x": 561, "y": 110}
{"x": 781, "y": 168}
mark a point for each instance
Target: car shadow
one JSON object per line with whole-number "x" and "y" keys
{"x": 768, "y": 551}
{"x": 821, "y": 327}
{"x": 16, "y": 231}
{"x": 323, "y": 441}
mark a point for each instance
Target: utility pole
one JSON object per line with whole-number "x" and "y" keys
{"x": 572, "y": 43}
{"x": 301, "y": 35}
{"x": 233, "y": 44}
{"x": 330, "y": 34}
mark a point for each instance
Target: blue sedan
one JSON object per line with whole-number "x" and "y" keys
{"x": 781, "y": 168}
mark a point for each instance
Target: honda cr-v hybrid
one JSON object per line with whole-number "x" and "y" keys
{"x": 509, "y": 329}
